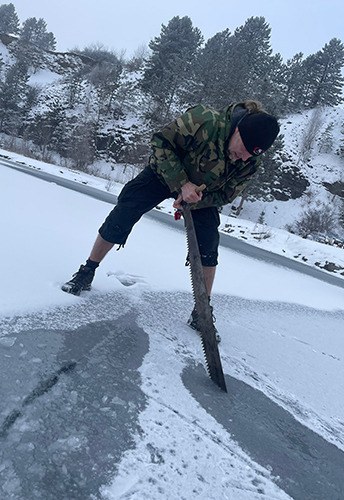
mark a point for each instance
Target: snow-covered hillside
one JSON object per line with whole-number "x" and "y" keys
{"x": 322, "y": 163}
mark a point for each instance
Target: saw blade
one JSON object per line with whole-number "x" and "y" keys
{"x": 205, "y": 319}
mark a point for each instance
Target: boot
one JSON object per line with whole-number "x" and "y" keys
{"x": 193, "y": 323}
{"x": 80, "y": 281}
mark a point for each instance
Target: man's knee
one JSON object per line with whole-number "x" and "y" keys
{"x": 209, "y": 259}
{"x": 117, "y": 226}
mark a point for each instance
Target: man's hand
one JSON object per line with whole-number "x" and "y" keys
{"x": 188, "y": 195}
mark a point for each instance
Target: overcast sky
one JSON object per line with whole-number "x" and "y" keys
{"x": 297, "y": 25}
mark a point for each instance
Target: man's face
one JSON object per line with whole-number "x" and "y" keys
{"x": 236, "y": 148}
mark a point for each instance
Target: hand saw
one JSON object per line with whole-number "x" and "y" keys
{"x": 207, "y": 328}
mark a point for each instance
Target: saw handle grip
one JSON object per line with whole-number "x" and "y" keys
{"x": 200, "y": 188}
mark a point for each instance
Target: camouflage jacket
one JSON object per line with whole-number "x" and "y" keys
{"x": 194, "y": 148}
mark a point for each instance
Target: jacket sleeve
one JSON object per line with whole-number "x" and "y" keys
{"x": 170, "y": 145}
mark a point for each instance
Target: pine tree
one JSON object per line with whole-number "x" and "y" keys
{"x": 212, "y": 72}
{"x": 292, "y": 87}
{"x": 13, "y": 91}
{"x": 74, "y": 89}
{"x": 341, "y": 214}
{"x": 326, "y": 141}
{"x": 31, "y": 99}
{"x": 9, "y": 21}
{"x": 323, "y": 80}
{"x": 340, "y": 149}
{"x": 268, "y": 87}
{"x": 35, "y": 31}
{"x": 239, "y": 66}
{"x": 169, "y": 70}
{"x": 45, "y": 128}
{"x": 250, "y": 59}
{"x": 261, "y": 218}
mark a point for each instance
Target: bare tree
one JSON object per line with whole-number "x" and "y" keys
{"x": 321, "y": 219}
{"x": 310, "y": 134}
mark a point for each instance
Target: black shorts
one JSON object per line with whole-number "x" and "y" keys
{"x": 142, "y": 194}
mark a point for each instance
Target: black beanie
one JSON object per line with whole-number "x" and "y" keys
{"x": 258, "y": 132}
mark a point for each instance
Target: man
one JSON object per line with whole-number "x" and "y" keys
{"x": 221, "y": 149}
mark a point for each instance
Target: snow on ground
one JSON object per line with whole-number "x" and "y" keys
{"x": 320, "y": 255}
{"x": 270, "y": 238}
{"x": 280, "y": 332}
{"x": 43, "y": 77}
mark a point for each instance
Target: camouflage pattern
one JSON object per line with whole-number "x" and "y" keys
{"x": 194, "y": 148}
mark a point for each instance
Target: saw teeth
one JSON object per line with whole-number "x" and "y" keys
{"x": 210, "y": 349}
{"x": 206, "y": 361}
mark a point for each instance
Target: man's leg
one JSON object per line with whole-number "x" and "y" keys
{"x": 136, "y": 198}
{"x": 206, "y": 222}
{"x": 100, "y": 248}
{"x": 209, "y": 275}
